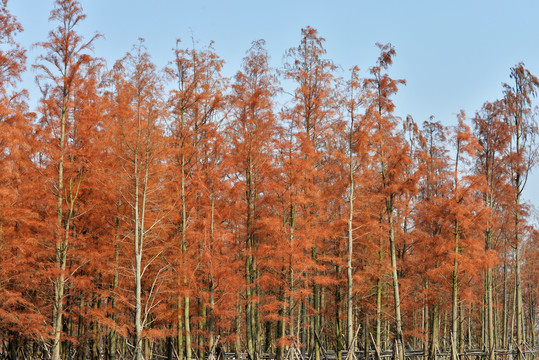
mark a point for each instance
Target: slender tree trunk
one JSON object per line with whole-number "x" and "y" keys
{"x": 187, "y": 323}
{"x": 366, "y": 340}
{"x": 398, "y": 349}
{"x": 470, "y": 333}
{"x": 518, "y": 289}
{"x": 141, "y": 175}
{"x": 426, "y": 322}
{"x": 147, "y": 349}
{"x": 281, "y": 327}
{"x": 454, "y": 298}
{"x": 518, "y": 185}
{"x": 446, "y": 336}
{"x": 533, "y": 327}
{"x": 350, "y": 247}
{"x": 505, "y": 316}
{"x": 249, "y": 306}
{"x": 490, "y": 315}
{"x": 112, "y": 335}
{"x": 237, "y": 343}
{"x": 62, "y": 237}
{"x": 379, "y": 312}
{"x": 95, "y": 333}
{"x": 211, "y": 316}
{"x": 316, "y": 304}
{"x": 257, "y": 322}
{"x": 138, "y": 308}
{"x": 81, "y": 330}
{"x": 302, "y": 324}
{"x": 183, "y": 326}
{"x": 497, "y": 323}
{"x": 291, "y": 225}
{"x": 338, "y": 315}
{"x": 179, "y": 328}
{"x": 211, "y": 319}
{"x": 268, "y": 338}
{"x": 250, "y": 323}
{"x": 461, "y": 328}
{"x": 512, "y": 334}
{"x": 379, "y": 290}
{"x": 202, "y": 328}
{"x": 138, "y": 267}
{"x": 309, "y": 326}
{"x": 435, "y": 326}
{"x": 67, "y": 326}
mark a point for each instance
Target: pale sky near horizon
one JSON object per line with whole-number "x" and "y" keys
{"x": 453, "y": 54}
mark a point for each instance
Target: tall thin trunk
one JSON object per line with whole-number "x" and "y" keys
{"x": 302, "y": 324}
{"x": 366, "y": 340}
{"x": 68, "y": 329}
{"x": 138, "y": 240}
{"x": 434, "y": 331}
{"x": 531, "y": 313}
{"x": 187, "y": 324}
{"x": 281, "y": 326}
{"x": 141, "y": 175}
{"x": 426, "y": 322}
{"x": 112, "y": 335}
{"x": 268, "y": 336}
{"x": 349, "y": 298}
{"x": 95, "y": 333}
{"x": 291, "y": 285}
{"x": 497, "y": 323}
{"x": 179, "y": 328}
{"x": 490, "y": 315}
{"x": 183, "y": 300}
{"x": 512, "y": 333}
{"x": 454, "y": 297}
{"x": 379, "y": 294}
{"x": 237, "y": 343}
{"x": 470, "y": 334}
{"x": 61, "y": 234}
{"x": 446, "y": 336}
{"x": 505, "y": 315}
{"x": 202, "y": 328}
{"x": 250, "y": 328}
{"x": 488, "y": 246}
{"x": 211, "y": 319}
{"x": 257, "y": 323}
{"x": 81, "y": 330}
{"x": 518, "y": 289}
{"x": 338, "y": 315}
{"x": 399, "y": 346}
{"x": 461, "y": 328}
{"x": 316, "y": 304}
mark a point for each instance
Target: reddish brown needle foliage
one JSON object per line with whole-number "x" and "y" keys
{"x": 180, "y": 214}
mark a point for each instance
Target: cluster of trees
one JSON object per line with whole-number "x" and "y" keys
{"x": 168, "y": 212}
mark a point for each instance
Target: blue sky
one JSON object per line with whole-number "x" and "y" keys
{"x": 453, "y": 54}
